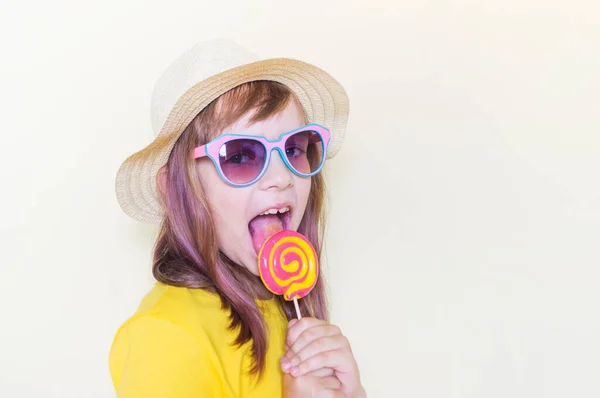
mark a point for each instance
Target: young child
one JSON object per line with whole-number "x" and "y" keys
{"x": 239, "y": 147}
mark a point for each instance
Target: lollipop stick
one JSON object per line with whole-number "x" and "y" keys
{"x": 297, "y": 308}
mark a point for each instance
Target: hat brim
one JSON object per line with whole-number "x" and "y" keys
{"x": 322, "y": 97}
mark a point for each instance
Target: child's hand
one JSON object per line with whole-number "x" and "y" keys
{"x": 315, "y": 347}
{"x": 311, "y": 386}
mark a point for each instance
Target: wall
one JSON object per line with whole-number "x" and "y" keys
{"x": 462, "y": 248}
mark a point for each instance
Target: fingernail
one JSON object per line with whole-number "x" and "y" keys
{"x": 295, "y": 371}
{"x": 286, "y": 366}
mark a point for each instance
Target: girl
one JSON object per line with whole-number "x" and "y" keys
{"x": 209, "y": 328}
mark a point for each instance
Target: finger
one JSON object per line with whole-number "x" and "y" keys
{"x": 323, "y": 372}
{"x": 330, "y": 383}
{"x": 333, "y": 394}
{"x": 317, "y": 346}
{"x": 295, "y": 329}
{"x": 309, "y": 335}
{"x": 312, "y": 333}
{"x": 339, "y": 360}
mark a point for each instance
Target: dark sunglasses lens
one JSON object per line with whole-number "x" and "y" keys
{"x": 242, "y": 160}
{"x": 304, "y": 151}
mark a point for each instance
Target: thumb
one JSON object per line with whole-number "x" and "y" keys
{"x": 292, "y": 322}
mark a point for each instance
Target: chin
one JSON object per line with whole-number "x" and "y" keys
{"x": 252, "y": 265}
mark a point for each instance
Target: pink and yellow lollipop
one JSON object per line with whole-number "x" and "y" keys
{"x": 288, "y": 265}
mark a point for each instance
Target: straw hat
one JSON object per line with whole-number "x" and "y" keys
{"x": 193, "y": 81}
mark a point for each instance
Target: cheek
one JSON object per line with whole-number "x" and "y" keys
{"x": 223, "y": 199}
{"x": 208, "y": 175}
{"x": 227, "y": 209}
{"x": 302, "y": 192}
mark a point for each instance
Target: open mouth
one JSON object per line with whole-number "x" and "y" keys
{"x": 267, "y": 223}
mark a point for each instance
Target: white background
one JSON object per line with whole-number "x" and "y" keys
{"x": 463, "y": 242}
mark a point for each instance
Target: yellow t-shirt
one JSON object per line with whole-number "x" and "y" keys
{"x": 178, "y": 344}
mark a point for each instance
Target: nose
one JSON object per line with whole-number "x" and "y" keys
{"x": 277, "y": 176}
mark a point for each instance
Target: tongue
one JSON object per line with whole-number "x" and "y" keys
{"x": 262, "y": 227}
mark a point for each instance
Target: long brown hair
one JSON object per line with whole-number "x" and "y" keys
{"x": 186, "y": 252}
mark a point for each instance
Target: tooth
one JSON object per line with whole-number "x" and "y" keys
{"x": 275, "y": 211}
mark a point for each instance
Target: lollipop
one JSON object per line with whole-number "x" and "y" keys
{"x": 288, "y": 265}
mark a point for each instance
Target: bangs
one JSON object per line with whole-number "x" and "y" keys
{"x": 264, "y": 98}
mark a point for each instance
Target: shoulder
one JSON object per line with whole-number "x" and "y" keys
{"x": 191, "y": 310}
{"x": 155, "y": 357}
{"x": 180, "y": 304}
{"x": 167, "y": 335}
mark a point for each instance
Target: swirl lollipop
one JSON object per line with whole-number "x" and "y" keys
{"x": 288, "y": 265}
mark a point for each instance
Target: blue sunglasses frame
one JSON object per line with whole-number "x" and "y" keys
{"x": 212, "y": 148}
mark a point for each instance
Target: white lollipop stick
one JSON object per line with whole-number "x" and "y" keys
{"x": 298, "y": 314}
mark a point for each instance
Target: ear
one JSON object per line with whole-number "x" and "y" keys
{"x": 161, "y": 180}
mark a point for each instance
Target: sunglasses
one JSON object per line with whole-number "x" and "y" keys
{"x": 241, "y": 160}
